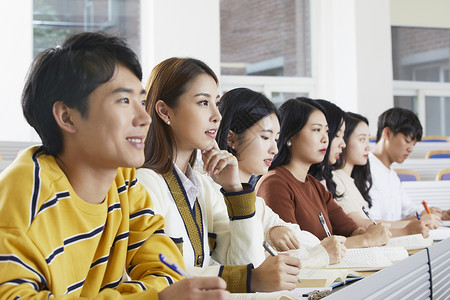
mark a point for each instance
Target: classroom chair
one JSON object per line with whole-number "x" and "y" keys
{"x": 443, "y": 174}
{"x": 407, "y": 175}
{"x": 438, "y": 154}
{"x": 435, "y": 138}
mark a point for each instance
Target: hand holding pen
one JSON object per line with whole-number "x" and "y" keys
{"x": 432, "y": 210}
{"x": 168, "y": 262}
{"x": 193, "y": 288}
{"x": 426, "y": 207}
{"x": 368, "y": 215}
{"x": 277, "y": 272}
{"x": 432, "y": 220}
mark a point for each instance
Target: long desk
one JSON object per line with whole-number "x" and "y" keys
{"x": 424, "y": 275}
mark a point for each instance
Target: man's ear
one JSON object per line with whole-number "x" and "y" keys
{"x": 232, "y": 139}
{"x": 162, "y": 110}
{"x": 64, "y": 117}
{"x": 387, "y": 133}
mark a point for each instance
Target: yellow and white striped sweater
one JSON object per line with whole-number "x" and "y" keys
{"x": 55, "y": 245}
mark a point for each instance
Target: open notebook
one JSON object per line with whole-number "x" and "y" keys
{"x": 262, "y": 296}
{"x": 325, "y": 277}
{"x": 370, "y": 259}
{"x": 410, "y": 242}
{"x": 362, "y": 259}
{"x": 297, "y": 293}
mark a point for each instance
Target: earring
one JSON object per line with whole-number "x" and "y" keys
{"x": 288, "y": 143}
{"x": 168, "y": 122}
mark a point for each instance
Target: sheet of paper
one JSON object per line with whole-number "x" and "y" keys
{"x": 394, "y": 254}
{"x": 440, "y": 233}
{"x": 445, "y": 223}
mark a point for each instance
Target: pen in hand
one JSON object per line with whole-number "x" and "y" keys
{"x": 269, "y": 249}
{"x": 426, "y": 207}
{"x": 368, "y": 216}
{"x": 165, "y": 260}
{"x": 272, "y": 252}
{"x": 324, "y": 224}
{"x": 418, "y": 216}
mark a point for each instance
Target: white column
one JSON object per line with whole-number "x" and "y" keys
{"x": 180, "y": 28}
{"x": 16, "y": 53}
{"x": 352, "y": 55}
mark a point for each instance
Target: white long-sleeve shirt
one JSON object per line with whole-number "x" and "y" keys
{"x": 238, "y": 241}
{"x": 389, "y": 200}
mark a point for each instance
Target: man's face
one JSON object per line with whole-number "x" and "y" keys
{"x": 399, "y": 146}
{"x": 112, "y": 134}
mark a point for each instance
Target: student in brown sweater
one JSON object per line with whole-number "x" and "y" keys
{"x": 298, "y": 197}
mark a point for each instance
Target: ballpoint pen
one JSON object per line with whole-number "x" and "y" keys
{"x": 418, "y": 216}
{"x": 269, "y": 249}
{"x": 272, "y": 252}
{"x": 367, "y": 214}
{"x": 426, "y": 207}
{"x": 324, "y": 224}
{"x": 165, "y": 260}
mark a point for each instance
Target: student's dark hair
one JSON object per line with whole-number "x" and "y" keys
{"x": 360, "y": 174}
{"x": 167, "y": 82}
{"x": 70, "y": 73}
{"x": 400, "y": 120}
{"x": 294, "y": 114}
{"x": 241, "y": 108}
{"x": 335, "y": 118}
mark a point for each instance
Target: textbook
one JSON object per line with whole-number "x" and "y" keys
{"x": 297, "y": 293}
{"x": 324, "y": 277}
{"x": 410, "y": 242}
{"x": 370, "y": 259}
{"x": 261, "y": 296}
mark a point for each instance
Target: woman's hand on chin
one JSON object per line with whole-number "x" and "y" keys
{"x": 223, "y": 168}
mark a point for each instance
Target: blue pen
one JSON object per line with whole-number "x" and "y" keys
{"x": 165, "y": 260}
{"x": 418, "y": 216}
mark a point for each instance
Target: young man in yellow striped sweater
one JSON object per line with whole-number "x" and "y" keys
{"x": 73, "y": 216}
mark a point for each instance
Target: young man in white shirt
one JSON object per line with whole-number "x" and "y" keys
{"x": 398, "y": 131}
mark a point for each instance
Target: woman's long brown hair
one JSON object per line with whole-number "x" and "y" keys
{"x": 167, "y": 82}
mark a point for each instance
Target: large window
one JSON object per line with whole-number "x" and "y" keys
{"x": 54, "y": 20}
{"x": 265, "y": 38}
{"x": 422, "y": 55}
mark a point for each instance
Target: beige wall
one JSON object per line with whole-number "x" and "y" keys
{"x": 420, "y": 13}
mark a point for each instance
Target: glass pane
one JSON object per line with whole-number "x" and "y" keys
{"x": 420, "y": 54}
{"x": 437, "y": 108}
{"x": 407, "y": 102}
{"x": 280, "y": 97}
{"x": 54, "y": 20}
{"x": 266, "y": 38}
